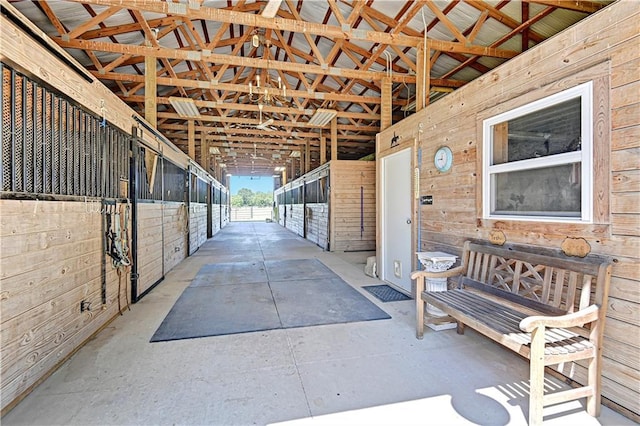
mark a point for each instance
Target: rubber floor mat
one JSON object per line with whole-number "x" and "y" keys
{"x": 227, "y": 299}
{"x": 386, "y": 293}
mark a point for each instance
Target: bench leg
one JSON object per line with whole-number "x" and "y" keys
{"x": 459, "y": 327}
{"x": 419, "y": 317}
{"x": 536, "y": 376}
{"x": 594, "y": 378}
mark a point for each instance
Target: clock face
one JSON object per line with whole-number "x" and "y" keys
{"x": 443, "y": 159}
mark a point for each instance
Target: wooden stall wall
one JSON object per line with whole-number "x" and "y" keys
{"x": 603, "y": 48}
{"x": 197, "y": 226}
{"x": 317, "y": 223}
{"x": 52, "y": 254}
{"x": 352, "y": 205}
{"x": 175, "y": 229}
{"x": 51, "y": 260}
{"x": 149, "y": 247}
{"x": 295, "y": 207}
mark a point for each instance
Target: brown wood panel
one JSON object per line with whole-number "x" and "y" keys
{"x": 626, "y": 67}
{"x": 175, "y": 235}
{"x": 41, "y": 319}
{"x": 149, "y": 245}
{"x": 603, "y": 46}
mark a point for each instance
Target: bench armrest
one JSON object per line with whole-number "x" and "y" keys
{"x": 579, "y": 318}
{"x": 444, "y": 274}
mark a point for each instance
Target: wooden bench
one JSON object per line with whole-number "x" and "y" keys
{"x": 548, "y": 307}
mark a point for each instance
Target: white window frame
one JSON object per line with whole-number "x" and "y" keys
{"x": 584, "y": 156}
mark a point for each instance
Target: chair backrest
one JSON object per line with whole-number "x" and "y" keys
{"x": 563, "y": 283}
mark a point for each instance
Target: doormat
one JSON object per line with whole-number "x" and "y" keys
{"x": 385, "y": 293}
{"x": 231, "y": 298}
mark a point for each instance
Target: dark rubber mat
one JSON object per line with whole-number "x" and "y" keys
{"x": 386, "y": 293}
{"x": 306, "y": 294}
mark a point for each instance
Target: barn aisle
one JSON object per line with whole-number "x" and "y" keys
{"x": 367, "y": 372}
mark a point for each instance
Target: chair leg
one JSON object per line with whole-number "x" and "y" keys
{"x": 536, "y": 377}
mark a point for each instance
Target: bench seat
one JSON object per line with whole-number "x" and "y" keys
{"x": 502, "y": 323}
{"x": 548, "y": 307}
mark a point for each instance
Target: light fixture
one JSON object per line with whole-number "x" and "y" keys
{"x": 322, "y": 117}
{"x": 264, "y": 91}
{"x": 185, "y": 107}
{"x": 271, "y": 9}
{"x": 214, "y": 150}
{"x": 279, "y": 169}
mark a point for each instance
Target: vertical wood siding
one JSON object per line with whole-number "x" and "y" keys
{"x": 353, "y": 205}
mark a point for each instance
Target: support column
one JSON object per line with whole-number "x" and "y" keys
{"x": 302, "y": 157}
{"x": 334, "y": 139}
{"x": 150, "y": 114}
{"x": 204, "y": 151}
{"x": 284, "y": 177}
{"x": 323, "y": 150}
{"x": 386, "y": 109}
{"x": 191, "y": 132}
{"x": 150, "y": 90}
{"x": 423, "y": 72}
{"x": 307, "y": 156}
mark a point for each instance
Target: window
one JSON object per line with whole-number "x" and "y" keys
{"x": 537, "y": 160}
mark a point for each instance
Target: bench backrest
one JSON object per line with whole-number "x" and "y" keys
{"x": 550, "y": 282}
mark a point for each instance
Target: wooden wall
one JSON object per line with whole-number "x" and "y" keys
{"x": 197, "y": 226}
{"x": 51, "y": 260}
{"x": 175, "y": 234}
{"x": 602, "y": 48}
{"x": 347, "y": 221}
{"x": 317, "y": 224}
{"x": 51, "y": 252}
{"x": 352, "y": 205}
{"x": 149, "y": 254}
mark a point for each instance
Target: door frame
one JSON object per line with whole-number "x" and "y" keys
{"x": 385, "y": 149}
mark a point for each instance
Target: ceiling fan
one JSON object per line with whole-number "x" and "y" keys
{"x": 266, "y": 124}
{"x": 255, "y": 155}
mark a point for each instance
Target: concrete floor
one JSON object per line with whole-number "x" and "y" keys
{"x": 369, "y": 373}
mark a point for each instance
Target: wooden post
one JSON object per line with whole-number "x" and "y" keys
{"x": 307, "y": 156}
{"x": 284, "y": 177}
{"x": 204, "y": 151}
{"x": 150, "y": 114}
{"x": 422, "y": 65}
{"x": 150, "y": 90}
{"x": 302, "y": 158}
{"x": 386, "y": 109}
{"x": 334, "y": 139}
{"x": 323, "y": 150}
{"x": 192, "y": 139}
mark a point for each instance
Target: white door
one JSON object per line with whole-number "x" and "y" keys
{"x": 396, "y": 219}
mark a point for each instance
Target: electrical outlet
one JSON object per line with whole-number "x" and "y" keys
{"x": 397, "y": 268}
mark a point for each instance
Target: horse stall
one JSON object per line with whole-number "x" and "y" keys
{"x": 95, "y": 211}
{"x": 332, "y": 206}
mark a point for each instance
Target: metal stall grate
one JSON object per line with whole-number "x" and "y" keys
{"x": 52, "y": 146}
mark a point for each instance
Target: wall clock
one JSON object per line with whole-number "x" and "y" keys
{"x": 443, "y": 159}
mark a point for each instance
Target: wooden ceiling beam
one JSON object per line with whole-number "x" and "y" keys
{"x": 128, "y": 51}
{"x": 256, "y": 20}
{"x": 276, "y": 123}
{"x": 576, "y": 6}
{"x": 252, "y": 107}
{"x": 181, "y": 82}
{"x": 305, "y": 27}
